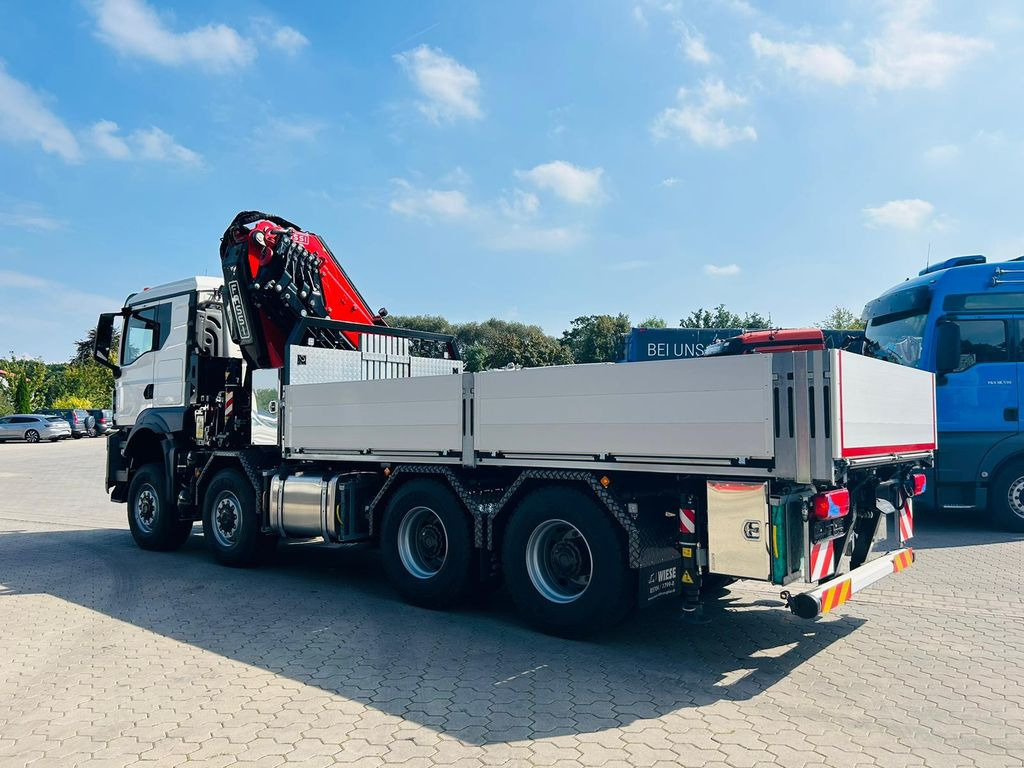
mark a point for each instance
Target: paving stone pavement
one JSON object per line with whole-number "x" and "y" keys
{"x": 110, "y": 656}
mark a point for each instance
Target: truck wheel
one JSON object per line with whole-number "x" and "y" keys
{"x": 565, "y": 563}
{"x": 152, "y": 518}
{"x": 231, "y": 521}
{"x": 1006, "y": 502}
{"x": 426, "y": 542}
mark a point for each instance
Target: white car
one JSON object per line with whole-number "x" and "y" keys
{"x": 32, "y": 428}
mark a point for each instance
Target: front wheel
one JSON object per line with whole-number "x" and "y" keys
{"x": 1006, "y": 502}
{"x": 152, "y": 517}
{"x": 565, "y": 563}
{"x": 426, "y": 542}
{"x": 231, "y": 521}
{"x": 31, "y": 436}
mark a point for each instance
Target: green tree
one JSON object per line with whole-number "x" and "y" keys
{"x": 22, "y": 395}
{"x": 72, "y": 402}
{"x": 842, "y": 319}
{"x": 720, "y": 317}
{"x": 492, "y": 343}
{"x": 596, "y": 338}
{"x": 653, "y": 322}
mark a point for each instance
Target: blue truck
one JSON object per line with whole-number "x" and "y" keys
{"x": 963, "y": 319}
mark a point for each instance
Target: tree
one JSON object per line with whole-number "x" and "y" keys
{"x": 22, "y": 396}
{"x": 653, "y": 322}
{"x": 596, "y": 338}
{"x": 72, "y": 402}
{"x": 842, "y": 319}
{"x": 83, "y": 347}
{"x": 720, "y": 317}
{"x": 492, "y": 343}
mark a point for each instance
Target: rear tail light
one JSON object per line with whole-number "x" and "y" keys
{"x": 831, "y": 504}
{"x": 916, "y": 483}
{"x": 74, "y": 417}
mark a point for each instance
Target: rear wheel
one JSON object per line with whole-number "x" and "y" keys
{"x": 426, "y": 543}
{"x": 31, "y": 436}
{"x": 1006, "y": 503}
{"x": 231, "y": 521}
{"x": 152, "y": 517}
{"x": 565, "y": 563}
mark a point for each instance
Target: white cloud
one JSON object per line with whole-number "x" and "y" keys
{"x": 694, "y": 47}
{"x": 133, "y": 28}
{"x": 942, "y": 153}
{"x": 698, "y": 116}
{"x": 148, "y": 144}
{"x": 639, "y": 16}
{"x": 900, "y": 214}
{"x": 905, "y": 54}
{"x": 812, "y": 61}
{"x": 428, "y": 203}
{"x": 568, "y": 181}
{"x": 288, "y": 40}
{"x": 520, "y": 238}
{"x": 669, "y": 182}
{"x": 24, "y": 118}
{"x": 450, "y": 90}
{"x": 721, "y": 270}
{"x": 32, "y": 218}
{"x": 70, "y": 311}
{"x": 522, "y": 205}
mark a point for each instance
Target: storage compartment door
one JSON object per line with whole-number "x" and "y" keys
{"x": 738, "y": 529}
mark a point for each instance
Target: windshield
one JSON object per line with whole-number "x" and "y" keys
{"x": 54, "y": 419}
{"x": 896, "y": 338}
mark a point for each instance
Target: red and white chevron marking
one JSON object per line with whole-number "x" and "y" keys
{"x": 822, "y": 556}
{"x": 907, "y": 521}
{"x": 229, "y": 405}
{"x": 687, "y": 520}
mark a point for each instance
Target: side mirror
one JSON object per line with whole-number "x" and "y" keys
{"x": 103, "y": 340}
{"x": 947, "y": 347}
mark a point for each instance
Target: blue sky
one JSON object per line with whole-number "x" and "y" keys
{"x": 530, "y": 161}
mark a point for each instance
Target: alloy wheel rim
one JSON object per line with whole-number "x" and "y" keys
{"x": 422, "y": 543}
{"x": 559, "y": 561}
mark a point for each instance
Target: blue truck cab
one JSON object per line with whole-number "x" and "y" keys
{"x": 963, "y": 319}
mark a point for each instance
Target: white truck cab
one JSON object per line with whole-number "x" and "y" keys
{"x": 153, "y": 355}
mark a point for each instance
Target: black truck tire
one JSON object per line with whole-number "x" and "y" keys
{"x": 1006, "y": 497}
{"x": 152, "y": 517}
{"x": 565, "y": 563}
{"x": 426, "y": 542}
{"x": 231, "y": 521}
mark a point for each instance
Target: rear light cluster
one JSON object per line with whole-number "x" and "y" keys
{"x": 916, "y": 483}
{"x": 831, "y": 504}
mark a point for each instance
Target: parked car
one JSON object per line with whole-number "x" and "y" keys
{"x": 104, "y": 421}
{"x": 77, "y": 418}
{"x": 33, "y": 427}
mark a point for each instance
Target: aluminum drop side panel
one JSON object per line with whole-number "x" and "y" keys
{"x": 881, "y": 408}
{"x": 710, "y": 407}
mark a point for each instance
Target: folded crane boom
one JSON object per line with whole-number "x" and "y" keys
{"x": 276, "y": 274}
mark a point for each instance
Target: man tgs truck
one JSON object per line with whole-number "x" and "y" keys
{"x": 963, "y": 319}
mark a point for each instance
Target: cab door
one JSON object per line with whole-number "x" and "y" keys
{"x": 142, "y": 335}
{"x": 977, "y": 403}
{"x": 981, "y": 394}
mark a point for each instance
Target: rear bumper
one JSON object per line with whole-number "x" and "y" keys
{"x": 834, "y": 592}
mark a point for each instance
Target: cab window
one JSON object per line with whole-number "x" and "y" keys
{"x": 146, "y": 330}
{"x": 982, "y": 341}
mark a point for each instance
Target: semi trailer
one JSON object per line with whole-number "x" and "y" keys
{"x": 275, "y": 404}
